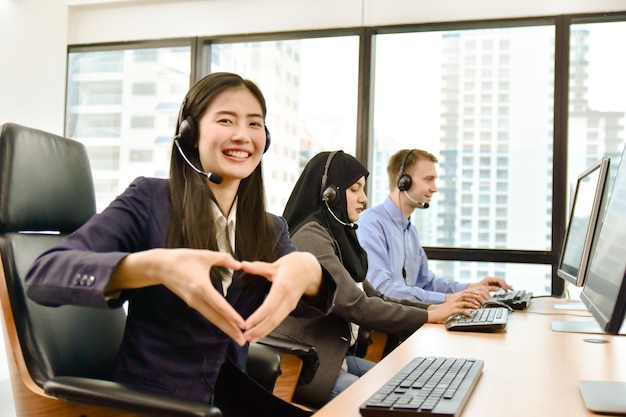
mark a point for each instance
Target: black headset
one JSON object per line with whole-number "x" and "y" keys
{"x": 188, "y": 129}
{"x": 329, "y": 191}
{"x": 404, "y": 180}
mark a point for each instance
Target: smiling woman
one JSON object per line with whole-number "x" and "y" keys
{"x": 180, "y": 252}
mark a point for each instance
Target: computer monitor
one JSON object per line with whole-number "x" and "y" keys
{"x": 587, "y": 207}
{"x": 604, "y": 292}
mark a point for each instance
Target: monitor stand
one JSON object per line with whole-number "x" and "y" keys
{"x": 605, "y": 397}
{"x": 571, "y": 326}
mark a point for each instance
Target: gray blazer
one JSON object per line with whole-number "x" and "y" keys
{"x": 331, "y": 335}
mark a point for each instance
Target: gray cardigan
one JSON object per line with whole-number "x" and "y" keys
{"x": 331, "y": 334}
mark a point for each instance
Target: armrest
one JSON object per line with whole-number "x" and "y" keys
{"x": 263, "y": 365}
{"x": 307, "y": 353}
{"x": 122, "y": 397}
{"x": 363, "y": 341}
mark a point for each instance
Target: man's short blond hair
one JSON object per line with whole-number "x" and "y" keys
{"x": 410, "y": 158}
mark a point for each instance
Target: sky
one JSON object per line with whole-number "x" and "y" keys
{"x": 607, "y": 66}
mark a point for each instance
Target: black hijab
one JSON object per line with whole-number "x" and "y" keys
{"x": 305, "y": 205}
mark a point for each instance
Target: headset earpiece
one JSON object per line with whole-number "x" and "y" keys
{"x": 268, "y": 139}
{"x": 329, "y": 194}
{"x": 187, "y": 131}
{"x": 404, "y": 180}
{"x": 329, "y": 191}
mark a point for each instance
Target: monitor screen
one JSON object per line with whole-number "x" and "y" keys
{"x": 586, "y": 208}
{"x": 604, "y": 292}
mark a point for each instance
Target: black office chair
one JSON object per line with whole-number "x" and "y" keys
{"x": 60, "y": 358}
{"x": 374, "y": 345}
{"x": 298, "y": 365}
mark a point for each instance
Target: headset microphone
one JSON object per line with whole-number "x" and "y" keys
{"x": 352, "y": 226}
{"x": 211, "y": 176}
{"x": 422, "y": 205}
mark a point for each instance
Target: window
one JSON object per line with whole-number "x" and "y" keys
{"x": 138, "y": 122}
{"x": 527, "y": 276}
{"x": 597, "y": 119}
{"x": 143, "y": 89}
{"x": 312, "y": 106}
{"x": 466, "y": 102}
{"x": 97, "y": 125}
{"x": 141, "y": 155}
{"x": 104, "y": 158}
{"x": 123, "y": 100}
{"x": 103, "y": 92}
{"x": 402, "y": 108}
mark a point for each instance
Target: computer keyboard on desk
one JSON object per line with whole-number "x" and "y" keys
{"x": 516, "y": 299}
{"x": 426, "y": 386}
{"x": 484, "y": 319}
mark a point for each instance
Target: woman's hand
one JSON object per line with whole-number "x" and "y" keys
{"x": 441, "y": 313}
{"x": 293, "y": 275}
{"x": 185, "y": 272}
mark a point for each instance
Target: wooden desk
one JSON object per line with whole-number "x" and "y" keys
{"x": 529, "y": 370}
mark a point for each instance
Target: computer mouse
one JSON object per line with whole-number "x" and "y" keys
{"x": 496, "y": 303}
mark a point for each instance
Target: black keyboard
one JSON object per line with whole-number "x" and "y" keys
{"x": 484, "y": 319}
{"x": 516, "y": 299}
{"x": 426, "y": 386}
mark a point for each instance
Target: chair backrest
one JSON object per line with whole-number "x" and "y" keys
{"x": 47, "y": 192}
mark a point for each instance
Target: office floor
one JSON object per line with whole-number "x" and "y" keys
{"x": 6, "y": 399}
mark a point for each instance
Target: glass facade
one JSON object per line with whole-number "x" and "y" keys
{"x": 311, "y": 104}
{"x": 482, "y": 99}
{"x": 464, "y": 96}
{"x": 123, "y": 105}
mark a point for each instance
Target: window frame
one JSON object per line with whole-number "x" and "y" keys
{"x": 200, "y": 60}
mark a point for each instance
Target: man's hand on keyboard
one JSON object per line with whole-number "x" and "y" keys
{"x": 492, "y": 284}
{"x": 479, "y": 294}
{"x": 441, "y": 312}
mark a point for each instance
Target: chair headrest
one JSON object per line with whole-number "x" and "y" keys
{"x": 45, "y": 181}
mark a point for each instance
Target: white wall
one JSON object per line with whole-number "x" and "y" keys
{"x": 34, "y": 34}
{"x": 132, "y": 20}
{"x": 33, "y": 44}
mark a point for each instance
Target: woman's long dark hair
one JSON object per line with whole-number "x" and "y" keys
{"x": 192, "y": 224}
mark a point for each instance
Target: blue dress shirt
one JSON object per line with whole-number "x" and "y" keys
{"x": 392, "y": 243}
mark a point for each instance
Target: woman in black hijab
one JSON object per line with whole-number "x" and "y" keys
{"x": 326, "y": 204}
{"x": 321, "y": 212}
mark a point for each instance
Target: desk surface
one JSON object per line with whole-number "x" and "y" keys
{"x": 529, "y": 369}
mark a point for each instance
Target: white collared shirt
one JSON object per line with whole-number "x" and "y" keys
{"x": 226, "y": 241}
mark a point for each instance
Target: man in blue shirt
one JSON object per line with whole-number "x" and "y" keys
{"x": 397, "y": 263}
